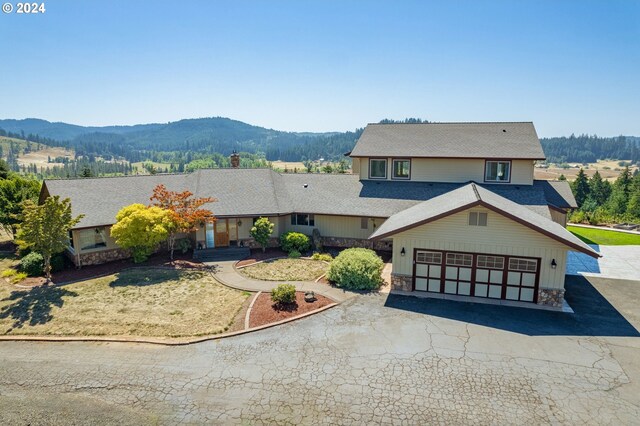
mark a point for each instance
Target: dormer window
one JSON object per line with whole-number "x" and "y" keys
{"x": 401, "y": 169}
{"x": 378, "y": 168}
{"x": 497, "y": 171}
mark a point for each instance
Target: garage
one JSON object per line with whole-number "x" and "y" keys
{"x": 476, "y": 274}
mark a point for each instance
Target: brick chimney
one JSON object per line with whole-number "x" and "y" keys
{"x": 235, "y": 159}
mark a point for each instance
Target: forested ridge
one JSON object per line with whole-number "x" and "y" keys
{"x": 209, "y": 141}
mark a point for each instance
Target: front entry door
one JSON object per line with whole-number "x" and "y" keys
{"x": 209, "y": 239}
{"x": 222, "y": 232}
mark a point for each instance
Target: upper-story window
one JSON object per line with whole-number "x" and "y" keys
{"x": 401, "y": 169}
{"x": 497, "y": 171}
{"x": 377, "y": 168}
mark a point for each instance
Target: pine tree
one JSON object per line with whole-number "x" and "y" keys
{"x": 599, "y": 189}
{"x": 580, "y": 187}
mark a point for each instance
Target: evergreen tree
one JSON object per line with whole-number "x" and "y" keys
{"x": 581, "y": 188}
{"x": 599, "y": 189}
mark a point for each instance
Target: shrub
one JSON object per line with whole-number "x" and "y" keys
{"x": 184, "y": 245}
{"x": 578, "y": 216}
{"x": 356, "y": 269}
{"x": 19, "y": 277}
{"x": 294, "y": 254}
{"x": 325, "y": 257}
{"x": 7, "y": 273}
{"x": 284, "y": 294}
{"x": 294, "y": 241}
{"x": 58, "y": 262}
{"x": 32, "y": 264}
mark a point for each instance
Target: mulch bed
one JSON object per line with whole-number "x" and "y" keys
{"x": 257, "y": 256}
{"x": 264, "y": 311}
{"x": 181, "y": 261}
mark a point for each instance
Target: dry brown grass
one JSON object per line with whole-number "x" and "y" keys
{"x": 286, "y": 270}
{"x": 40, "y": 158}
{"x": 134, "y": 302}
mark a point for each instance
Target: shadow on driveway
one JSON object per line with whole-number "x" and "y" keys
{"x": 594, "y": 315}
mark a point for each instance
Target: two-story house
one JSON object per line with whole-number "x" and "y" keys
{"x": 456, "y": 203}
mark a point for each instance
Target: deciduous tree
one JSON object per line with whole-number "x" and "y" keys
{"x": 261, "y": 231}
{"x": 45, "y": 228}
{"x": 186, "y": 211}
{"x": 141, "y": 229}
{"x": 14, "y": 190}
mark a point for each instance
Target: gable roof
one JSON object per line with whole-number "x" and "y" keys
{"x": 240, "y": 192}
{"x": 263, "y": 192}
{"x": 474, "y": 195}
{"x": 450, "y": 140}
{"x": 559, "y": 194}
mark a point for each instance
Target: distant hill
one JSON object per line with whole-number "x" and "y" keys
{"x": 589, "y": 149}
{"x": 191, "y": 138}
{"x": 202, "y": 135}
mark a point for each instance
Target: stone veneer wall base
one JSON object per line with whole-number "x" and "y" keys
{"x": 401, "y": 282}
{"x": 551, "y": 297}
{"x": 356, "y": 242}
{"x": 102, "y": 256}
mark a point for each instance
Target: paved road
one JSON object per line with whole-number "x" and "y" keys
{"x": 373, "y": 359}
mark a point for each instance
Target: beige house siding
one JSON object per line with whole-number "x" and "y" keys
{"x": 355, "y": 166}
{"x": 558, "y": 217}
{"x": 500, "y": 236}
{"x": 454, "y": 170}
{"x": 337, "y": 226}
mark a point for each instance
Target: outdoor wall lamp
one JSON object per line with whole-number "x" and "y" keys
{"x": 553, "y": 264}
{"x": 402, "y": 252}
{"x": 239, "y": 223}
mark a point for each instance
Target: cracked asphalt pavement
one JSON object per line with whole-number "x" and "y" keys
{"x": 374, "y": 359}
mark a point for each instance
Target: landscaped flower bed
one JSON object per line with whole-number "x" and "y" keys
{"x": 286, "y": 270}
{"x": 265, "y": 311}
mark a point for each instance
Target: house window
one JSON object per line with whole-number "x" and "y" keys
{"x": 494, "y": 262}
{"x": 377, "y": 168}
{"x": 477, "y": 219}
{"x": 459, "y": 259}
{"x": 497, "y": 171}
{"x": 525, "y": 265}
{"x": 401, "y": 169}
{"x": 303, "y": 220}
{"x": 364, "y": 223}
{"x": 92, "y": 238}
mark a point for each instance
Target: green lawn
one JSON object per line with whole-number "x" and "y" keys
{"x": 604, "y": 237}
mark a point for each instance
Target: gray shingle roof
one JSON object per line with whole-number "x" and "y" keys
{"x": 255, "y": 192}
{"x": 450, "y": 140}
{"x": 559, "y": 194}
{"x": 468, "y": 196}
{"x": 240, "y": 192}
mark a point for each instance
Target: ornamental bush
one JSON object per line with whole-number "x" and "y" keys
{"x": 356, "y": 269}
{"x": 325, "y": 257}
{"x": 284, "y": 294}
{"x": 58, "y": 262}
{"x": 32, "y": 264}
{"x": 294, "y": 254}
{"x": 290, "y": 241}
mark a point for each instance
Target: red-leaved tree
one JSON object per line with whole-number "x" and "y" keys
{"x": 185, "y": 210}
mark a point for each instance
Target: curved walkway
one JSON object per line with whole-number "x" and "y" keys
{"x": 226, "y": 273}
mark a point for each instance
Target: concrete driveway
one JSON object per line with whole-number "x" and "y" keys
{"x": 374, "y": 359}
{"x": 621, "y": 262}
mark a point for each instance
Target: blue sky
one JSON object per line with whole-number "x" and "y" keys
{"x": 568, "y": 66}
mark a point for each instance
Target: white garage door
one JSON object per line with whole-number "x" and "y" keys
{"x": 476, "y": 274}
